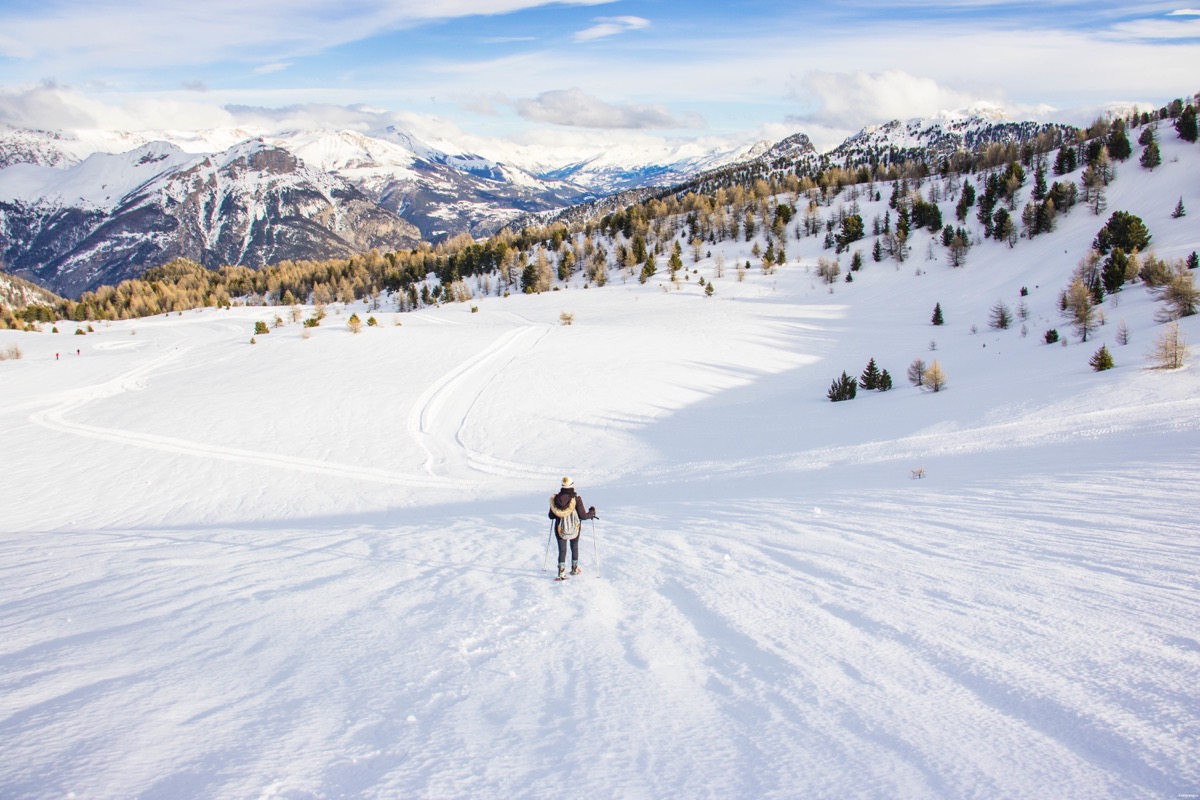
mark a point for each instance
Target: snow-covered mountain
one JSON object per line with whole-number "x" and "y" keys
{"x": 83, "y": 208}
{"x": 112, "y": 216}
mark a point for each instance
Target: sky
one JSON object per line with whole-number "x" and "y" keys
{"x": 532, "y": 72}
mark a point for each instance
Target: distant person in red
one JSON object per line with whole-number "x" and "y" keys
{"x": 56, "y": 356}
{"x": 567, "y": 511}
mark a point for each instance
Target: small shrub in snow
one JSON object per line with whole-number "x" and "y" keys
{"x": 260, "y": 327}
{"x": 1051, "y": 336}
{"x": 843, "y": 388}
{"x": 1101, "y": 359}
{"x": 566, "y": 318}
{"x": 10, "y": 353}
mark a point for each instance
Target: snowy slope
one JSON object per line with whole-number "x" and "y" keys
{"x": 313, "y": 566}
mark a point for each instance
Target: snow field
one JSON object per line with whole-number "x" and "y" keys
{"x": 313, "y": 567}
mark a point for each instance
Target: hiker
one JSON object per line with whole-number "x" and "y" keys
{"x": 566, "y": 509}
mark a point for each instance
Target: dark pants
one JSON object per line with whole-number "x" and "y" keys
{"x": 562, "y": 549}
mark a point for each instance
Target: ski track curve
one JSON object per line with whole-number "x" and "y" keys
{"x": 55, "y": 418}
{"x": 438, "y": 430}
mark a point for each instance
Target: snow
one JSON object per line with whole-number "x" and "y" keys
{"x": 101, "y": 180}
{"x": 314, "y": 566}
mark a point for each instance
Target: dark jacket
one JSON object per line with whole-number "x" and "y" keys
{"x": 563, "y": 499}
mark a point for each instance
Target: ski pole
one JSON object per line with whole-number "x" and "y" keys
{"x": 595, "y": 547}
{"x": 546, "y": 559}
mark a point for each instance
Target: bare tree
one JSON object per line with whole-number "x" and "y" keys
{"x": 934, "y": 378}
{"x": 1170, "y": 349}
{"x": 1081, "y": 311}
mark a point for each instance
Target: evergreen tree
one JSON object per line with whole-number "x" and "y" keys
{"x": 1124, "y": 230}
{"x": 1115, "y": 269}
{"x": 261, "y": 327}
{"x": 852, "y": 231}
{"x": 870, "y": 376}
{"x": 1051, "y": 336}
{"x": 1101, "y": 359}
{"x": 1117, "y": 142}
{"x": 1151, "y": 157}
{"x": 1039, "y": 183}
{"x": 965, "y": 201}
{"x": 1179, "y": 211}
{"x": 885, "y": 381}
{"x": 937, "y": 314}
{"x": 1193, "y": 261}
{"x": 1066, "y": 160}
{"x": 877, "y": 252}
{"x": 1185, "y": 126}
{"x": 844, "y": 388}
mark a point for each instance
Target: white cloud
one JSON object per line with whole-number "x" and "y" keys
{"x": 77, "y": 34}
{"x": 49, "y": 105}
{"x": 847, "y": 100}
{"x": 1185, "y": 12}
{"x": 577, "y": 108}
{"x": 267, "y": 69}
{"x": 611, "y": 26}
{"x": 1187, "y": 26}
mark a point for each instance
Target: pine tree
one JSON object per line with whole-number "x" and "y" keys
{"x": 1179, "y": 211}
{"x": 1102, "y": 359}
{"x": 937, "y": 315}
{"x": 1185, "y": 126}
{"x": 1151, "y": 157}
{"x": 261, "y": 327}
{"x": 885, "y": 381}
{"x": 1119, "y": 148}
{"x": 844, "y": 388}
{"x": 870, "y": 376}
{"x": 877, "y": 252}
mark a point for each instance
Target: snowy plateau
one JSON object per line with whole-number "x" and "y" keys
{"x": 317, "y": 566}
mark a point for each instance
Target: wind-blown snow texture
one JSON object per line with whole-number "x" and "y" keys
{"x": 313, "y": 567}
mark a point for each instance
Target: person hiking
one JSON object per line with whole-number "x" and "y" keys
{"x": 567, "y": 511}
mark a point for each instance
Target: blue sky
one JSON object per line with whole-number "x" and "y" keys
{"x": 523, "y": 69}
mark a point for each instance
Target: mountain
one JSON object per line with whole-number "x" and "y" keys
{"x": 81, "y": 209}
{"x": 111, "y": 216}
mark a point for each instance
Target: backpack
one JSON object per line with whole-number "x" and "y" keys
{"x": 567, "y": 523}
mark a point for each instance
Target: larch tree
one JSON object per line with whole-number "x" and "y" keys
{"x": 1170, "y": 349}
